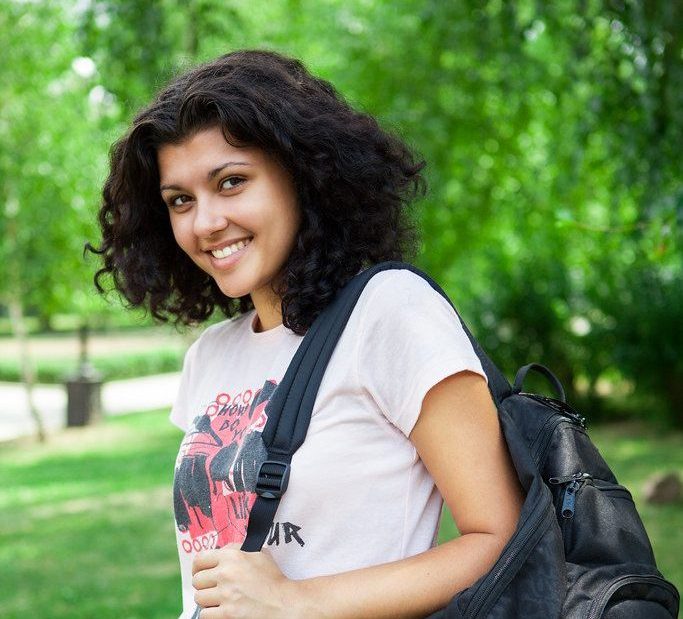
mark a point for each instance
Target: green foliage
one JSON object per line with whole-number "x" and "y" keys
{"x": 128, "y": 365}
{"x": 551, "y": 130}
{"x": 69, "y": 323}
{"x": 52, "y": 151}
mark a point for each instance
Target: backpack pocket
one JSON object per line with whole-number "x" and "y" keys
{"x": 634, "y": 596}
{"x": 599, "y": 522}
{"x": 627, "y": 591}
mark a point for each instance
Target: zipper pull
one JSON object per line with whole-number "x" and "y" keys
{"x": 569, "y": 499}
{"x": 558, "y": 481}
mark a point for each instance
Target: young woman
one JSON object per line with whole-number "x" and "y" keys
{"x": 252, "y": 187}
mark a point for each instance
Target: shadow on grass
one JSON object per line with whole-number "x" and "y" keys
{"x": 88, "y": 524}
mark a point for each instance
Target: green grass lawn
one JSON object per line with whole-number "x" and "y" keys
{"x": 87, "y": 525}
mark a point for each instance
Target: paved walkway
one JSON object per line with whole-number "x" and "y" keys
{"x": 118, "y": 397}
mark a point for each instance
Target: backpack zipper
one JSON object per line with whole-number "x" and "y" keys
{"x": 573, "y": 483}
{"x": 539, "y": 449}
{"x": 567, "y": 414}
{"x": 519, "y": 543}
{"x": 546, "y": 433}
{"x": 561, "y": 407}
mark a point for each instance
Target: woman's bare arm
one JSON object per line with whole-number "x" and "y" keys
{"x": 458, "y": 437}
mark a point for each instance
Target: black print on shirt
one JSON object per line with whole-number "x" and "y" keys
{"x": 215, "y": 476}
{"x": 290, "y": 533}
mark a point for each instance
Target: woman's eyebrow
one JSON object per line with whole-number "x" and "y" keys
{"x": 211, "y": 175}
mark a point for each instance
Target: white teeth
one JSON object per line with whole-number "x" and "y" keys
{"x": 226, "y": 251}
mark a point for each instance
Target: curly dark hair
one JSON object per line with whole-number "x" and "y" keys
{"x": 353, "y": 181}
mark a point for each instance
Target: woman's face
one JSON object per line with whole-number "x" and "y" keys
{"x": 233, "y": 211}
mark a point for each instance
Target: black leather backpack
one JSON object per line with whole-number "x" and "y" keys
{"x": 579, "y": 550}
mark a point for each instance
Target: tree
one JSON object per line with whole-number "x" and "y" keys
{"x": 551, "y": 132}
{"x": 51, "y": 148}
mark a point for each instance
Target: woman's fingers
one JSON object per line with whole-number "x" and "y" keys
{"x": 205, "y": 579}
{"x": 205, "y": 560}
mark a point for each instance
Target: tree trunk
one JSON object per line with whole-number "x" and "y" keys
{"x": 16, "y": 314}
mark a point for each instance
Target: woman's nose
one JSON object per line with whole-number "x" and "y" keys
{"x": 209, "y": 217}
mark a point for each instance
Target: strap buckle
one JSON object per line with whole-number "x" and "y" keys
{"x": 272, "y": 480}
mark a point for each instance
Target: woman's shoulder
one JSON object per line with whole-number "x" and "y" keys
{"x": 403, "y": 309}
{"x": 398, "y": 289}
{"x": 399, "y": 304}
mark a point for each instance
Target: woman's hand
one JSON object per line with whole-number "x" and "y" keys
{"x": 231, "y": 583}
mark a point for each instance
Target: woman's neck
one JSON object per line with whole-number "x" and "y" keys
{"x": 268, "y": 310}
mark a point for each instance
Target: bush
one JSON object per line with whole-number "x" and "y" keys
{"x": 117, "y": 367}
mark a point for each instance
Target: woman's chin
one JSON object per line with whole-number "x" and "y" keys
{"x": 231, "y": 294}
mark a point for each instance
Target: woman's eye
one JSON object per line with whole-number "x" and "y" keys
{"x": 231, "y": 182}
{"x": 178, "y": 201}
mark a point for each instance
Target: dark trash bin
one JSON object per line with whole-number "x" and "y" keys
{"x": 84, "y": 389}
{"x": 84, "y": 398}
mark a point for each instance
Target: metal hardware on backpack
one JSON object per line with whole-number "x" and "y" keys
{"x": 579, "y": 550}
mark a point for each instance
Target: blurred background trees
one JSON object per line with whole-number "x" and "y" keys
{"x": 552, "y": 134}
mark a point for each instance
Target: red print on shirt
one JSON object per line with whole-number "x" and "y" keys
{"x": 215, "y": 476}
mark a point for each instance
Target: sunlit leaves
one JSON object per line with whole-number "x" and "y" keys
{"x": 552, "y": 132}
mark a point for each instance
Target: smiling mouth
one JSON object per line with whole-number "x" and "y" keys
{"x": 230, "y": 249}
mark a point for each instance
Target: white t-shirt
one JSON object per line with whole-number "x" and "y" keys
{"x": 358, "y": 493}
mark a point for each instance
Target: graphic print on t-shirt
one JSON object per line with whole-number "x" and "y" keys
{"x": 216, "y": 469}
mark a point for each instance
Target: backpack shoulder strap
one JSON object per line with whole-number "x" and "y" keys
{"x": 290, "y": 408}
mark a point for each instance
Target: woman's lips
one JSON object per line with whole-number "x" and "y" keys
{"x": 228, "y": 261}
